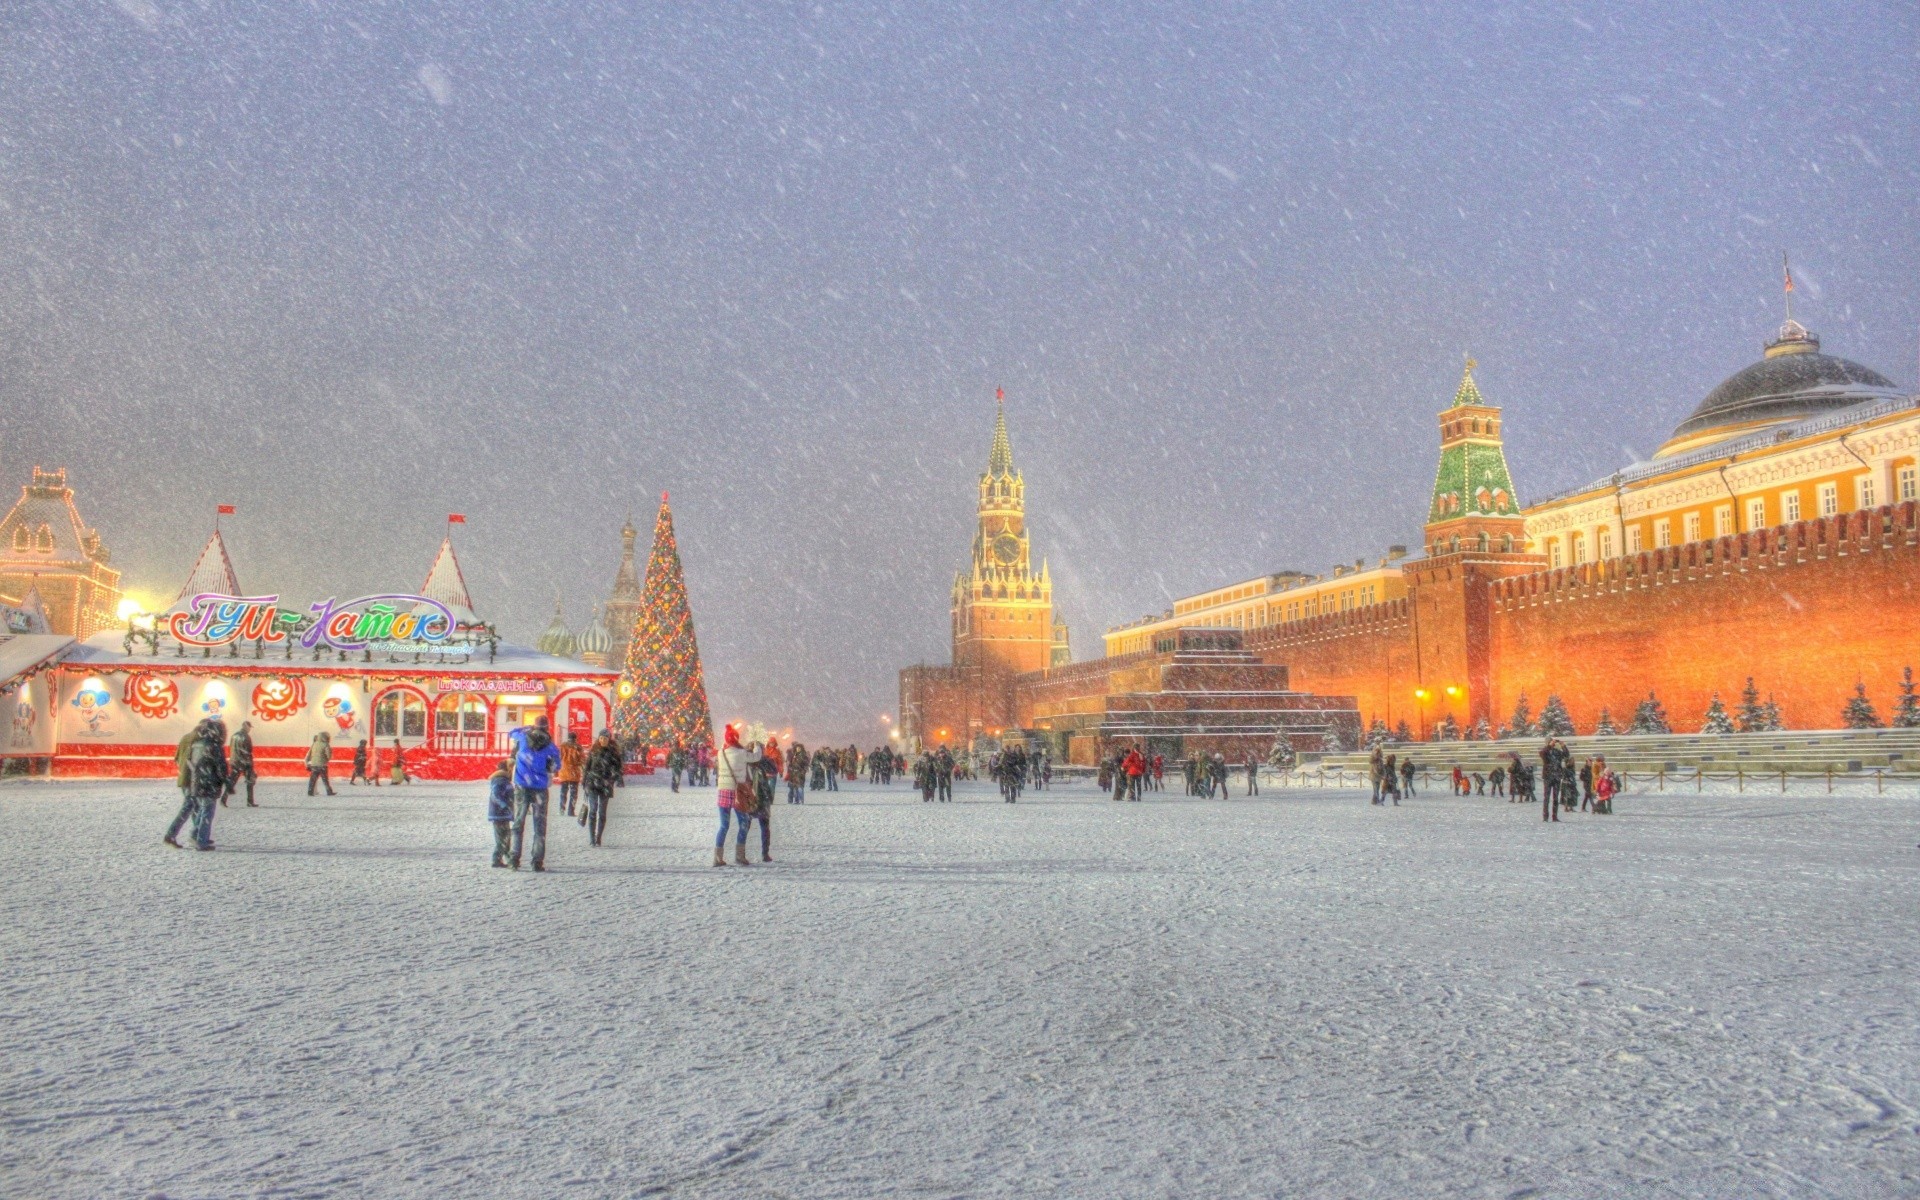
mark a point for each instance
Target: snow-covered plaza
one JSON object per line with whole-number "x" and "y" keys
{"x": 1296, "y": 995}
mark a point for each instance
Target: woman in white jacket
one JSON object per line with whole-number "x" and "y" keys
{"x": 736, "y": 795}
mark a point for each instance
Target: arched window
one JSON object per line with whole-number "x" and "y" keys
{"x": 44, "y": 539}
{"x": 400, "y": 714}
{"x": 1506, "y": 543}
{"x": 1483, "y": 543}
{"x": 22, "y": 540}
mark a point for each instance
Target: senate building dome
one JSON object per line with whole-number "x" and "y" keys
{"x": 1792, "y": 382}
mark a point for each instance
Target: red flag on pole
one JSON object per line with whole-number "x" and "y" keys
{"x": 456, "y": 518}
{"x": 224, "y": 510}
{"x": 999, "y": 393}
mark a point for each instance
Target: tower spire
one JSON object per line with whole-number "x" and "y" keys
{"x": 1000, "y": 458}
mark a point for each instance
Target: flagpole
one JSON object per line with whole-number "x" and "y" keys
{"x": 1786, "y": 269}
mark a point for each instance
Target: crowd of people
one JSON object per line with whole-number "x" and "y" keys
{"x": 746, "y": 774}
{"x": 1561, "y": 784}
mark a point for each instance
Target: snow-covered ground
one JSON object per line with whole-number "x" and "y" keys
{"x": 1300, "y": 995}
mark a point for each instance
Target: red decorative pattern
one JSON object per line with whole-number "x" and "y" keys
{"x": 279, "y": 698}
{"x": 152, "y": 696}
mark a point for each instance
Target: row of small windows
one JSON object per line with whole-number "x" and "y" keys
{"x": 40, "y": 539}
{"x": 1483, "y": 543}
{"x": 989, "y": 592}
{"x": 1826, "y": 501}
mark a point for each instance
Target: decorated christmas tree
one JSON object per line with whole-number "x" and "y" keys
{"x": 1717, "y": 721}
{"x": 1906, "y": 710}
{"x": 1650, "y": 717}
{"x": 663, "y": 696}
{"x": 1605, "y": 727}
{"x": 1859, "y": 712}
{"x": 1555, "y": 720}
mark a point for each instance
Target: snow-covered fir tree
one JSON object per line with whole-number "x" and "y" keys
{"x": 1650, "y": 717}
{"x": 1555, "y": 721}
{"x": 1717, "y": 721}
{"x": 1480, "y": 732}
{"x": 1521, "y": 723}
{"x": 1378, "y": 734}
{"x": 1906, "y": 710}
{"x": 1859, "y": 712}
{"x": 1751, "y": 713}
{"x": 1770, "y": 713}
{"x": 1448, "y": 730}
{"x": 1282, "y": 756}
{"x": 1605, "y": 727}
{"x": 1402, "y": 734}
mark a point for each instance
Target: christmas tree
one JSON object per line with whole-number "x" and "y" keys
{"x": 1555, "y": 720}
{"x": 1650, "y": 717}
{"x": 1717, "y": 721}
{"x": 663, "y": 696}
{"x": 1377, "y": 734}
{"x": 1859, "y": 712}
{"x": 1401, "y": 733}
{"x": 1480, "y": 732}
{"x": 1522, "y": 723}
{"x": 1605, "y": 727}
{"x": 1770, "y": 713}
{"x": 1449, "y": 730}
{"x": 1906, "y": 710}
{"x": 1753, "y": 716}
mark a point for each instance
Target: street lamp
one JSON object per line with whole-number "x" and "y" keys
{"x": 1421, "y": 696}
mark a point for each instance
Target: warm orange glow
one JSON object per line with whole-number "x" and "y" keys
{"x": 1421, "y": 693}
{"x": 1453, "y": 691}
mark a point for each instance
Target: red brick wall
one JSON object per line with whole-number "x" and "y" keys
{"x": 1807, "y": 611}
{"x": 1366, "y": 654}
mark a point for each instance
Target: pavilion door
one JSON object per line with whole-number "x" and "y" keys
{"x": 580, "y": 718}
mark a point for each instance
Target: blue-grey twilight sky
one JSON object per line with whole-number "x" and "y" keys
{"x": 355, "y": 265}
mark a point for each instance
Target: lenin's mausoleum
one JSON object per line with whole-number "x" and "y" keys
{"x": 1775, "y": 535}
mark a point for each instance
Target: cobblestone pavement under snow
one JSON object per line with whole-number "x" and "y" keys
{"x": 1298, "y": 995}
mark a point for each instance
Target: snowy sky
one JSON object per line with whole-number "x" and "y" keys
{"x": 353, "y": 266}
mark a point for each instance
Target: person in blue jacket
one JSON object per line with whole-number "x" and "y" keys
{"x": 500, "y": 809}
{"x": 534, "y": 761}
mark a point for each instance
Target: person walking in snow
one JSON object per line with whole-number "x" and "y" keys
{"x": 573, "y": 757}
{"x": 599, "y": 775}
{"x": 204, "y": 767}
{"x": 943, "y": 767}
{"x": 399, "y": 767}
{"x": 240, "y": 762}
{"x": 1376, "y": 762}
{"x": 319, "y": 762}
{"x": 734, "y": 795}
{"x": 500, "y": 809}
{"x": 534, "y": 762}
{"x": 1406, "y": 777}
{"x": 1390, "y": 778}
{"x": 797, "y": 766}
{"x": 360, "y": 772}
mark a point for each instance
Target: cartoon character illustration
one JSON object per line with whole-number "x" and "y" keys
{"x": 92, "y": 702}
{"x": 340, "y": 708}
{"x": 152, "y": 696}
{"x": 214, "y": 706}
{"x": 24, "y": 717}
{"x": 278, "y": 699}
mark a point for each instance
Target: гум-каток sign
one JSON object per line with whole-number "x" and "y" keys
{"x": 401, "y": 620}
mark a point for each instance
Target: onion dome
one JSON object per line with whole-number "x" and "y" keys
{"x": 595, "y": 644}
{"x": 1793, "y": 382}
{"x": 558, "y": 639}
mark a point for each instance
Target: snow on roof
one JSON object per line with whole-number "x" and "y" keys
{"x": 54, "y": 533}
{"x": 107, "y": 651}
{"x": 212, "y": 573}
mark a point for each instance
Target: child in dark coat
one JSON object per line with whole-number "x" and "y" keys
{"x": 500, "y": 809}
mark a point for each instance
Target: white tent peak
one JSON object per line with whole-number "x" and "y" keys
{"x": 446, "y": 584}
{"x": 212, "y": 573}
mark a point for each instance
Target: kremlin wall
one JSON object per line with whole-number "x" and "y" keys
{"x": 1776, "y": 535}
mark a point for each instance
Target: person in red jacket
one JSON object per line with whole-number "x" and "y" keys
{"x": 1135, "y": 765}
{"x": 1159, "y": 771}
